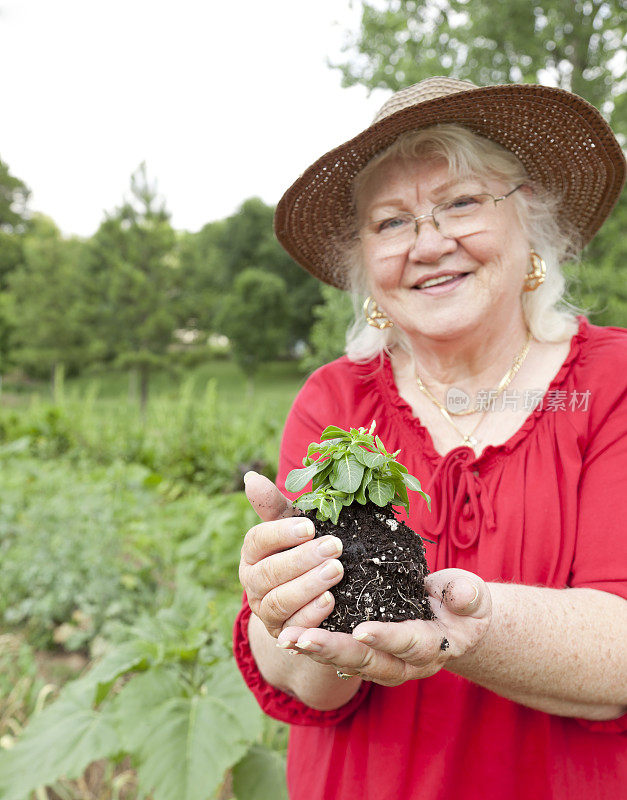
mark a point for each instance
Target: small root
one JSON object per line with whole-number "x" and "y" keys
{"x": 407, "y": 600}
{"x": 377, "y": 578}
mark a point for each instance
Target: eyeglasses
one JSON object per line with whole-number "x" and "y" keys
{"x": 463, "y": 216}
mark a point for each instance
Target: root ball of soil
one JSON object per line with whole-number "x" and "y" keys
{"x": 384, "y": 568}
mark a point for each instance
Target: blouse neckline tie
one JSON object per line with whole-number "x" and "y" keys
{"x": 459, "y": 501}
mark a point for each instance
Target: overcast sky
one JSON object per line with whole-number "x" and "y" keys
{"x": 223, "y": 99}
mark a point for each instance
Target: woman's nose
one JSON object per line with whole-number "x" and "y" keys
{"x": 428, "y": 243}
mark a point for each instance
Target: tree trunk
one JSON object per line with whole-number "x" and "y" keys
{"x": 58, "y": 379}
{"x": 133, "y": 385}
{"x": 144, "y": 376}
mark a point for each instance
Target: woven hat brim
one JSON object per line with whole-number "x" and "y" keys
{"x": 562, "y": 141}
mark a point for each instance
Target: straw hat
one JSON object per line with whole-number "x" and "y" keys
{"x": 563, "y": 142}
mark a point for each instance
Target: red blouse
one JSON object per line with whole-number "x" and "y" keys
{"x": 548, "y": 507}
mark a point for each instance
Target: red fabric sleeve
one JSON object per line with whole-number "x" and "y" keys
{"x": 601, "y": 554}
{"x": 312, "y": 411}
{"x": 273, "y": 701}
{"x": 600, "y": 560}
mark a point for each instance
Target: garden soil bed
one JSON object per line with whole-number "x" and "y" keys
{"x": 384, "y": 568}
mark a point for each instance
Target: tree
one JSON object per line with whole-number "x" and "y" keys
{"x": 202, "y": 280}
{"x": 212, "y": 259}
{"x": 328, "y": 333}
{"x": 46, "y": 312}
{"x": 133, "y": 269}
{"x": 14, "y": 195}
{"x": 254, "y": 317}
{"x": 567, "y": 43}
{"x": 599, "y": 282}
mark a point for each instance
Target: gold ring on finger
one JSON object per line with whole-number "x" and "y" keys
{"x": 344, "y": 675}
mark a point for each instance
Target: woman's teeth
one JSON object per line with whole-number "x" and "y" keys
{"x": 436, "y": 281}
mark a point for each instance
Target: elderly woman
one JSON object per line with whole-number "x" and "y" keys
{"x": 451, "y": 215}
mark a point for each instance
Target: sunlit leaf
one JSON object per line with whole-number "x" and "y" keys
{"x": 62, "y": 740}
{"x": 347, "y": 474}
{"x": 260, "y": 775}
{"x": 195, "y": 739}
{"x": 367, "y": 458}
{"x": 412, "y": 483}
{"x": 380, "y": 492}
{"x": 297, "y": 479}
{"x": 333, "y": 432}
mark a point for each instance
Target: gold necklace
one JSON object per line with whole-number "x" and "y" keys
{"x": 469, "y": 438}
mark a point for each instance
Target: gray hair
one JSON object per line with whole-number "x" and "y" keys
{"x": 549, "y": 317}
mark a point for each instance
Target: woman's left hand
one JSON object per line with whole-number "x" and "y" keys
{"x": 390, "y": 653}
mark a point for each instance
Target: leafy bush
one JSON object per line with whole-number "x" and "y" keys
{"x": 169, "y": 697}
{"x": 75, "y": 549}
{"x": 106, "y": 516}
{"x": 184, "y": 439}
{"x": 86, "y": 547}
{"x": 20, "y": 686}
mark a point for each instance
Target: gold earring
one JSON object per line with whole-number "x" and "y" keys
{"x": 536, "y": 276}
{"x": 374, "y": 315}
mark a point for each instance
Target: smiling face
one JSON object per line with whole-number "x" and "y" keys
{"x": 487, "y": 268}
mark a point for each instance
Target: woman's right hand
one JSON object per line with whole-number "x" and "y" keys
{"x": 285, "y": 572}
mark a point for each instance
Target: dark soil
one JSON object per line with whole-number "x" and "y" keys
{"x": 384, "y": 568}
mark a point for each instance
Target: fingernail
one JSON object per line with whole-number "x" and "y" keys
{"x": 331, "y": 570}
{"x": 303, "y": 529}
{"x": 324, "y": 600}
{"x": 365, "y": 637}
{"x": 312, "y": 647}
{"x": 284, "y": 644}
{"x": 465, "y": 587}
{"x": 248, "y": 475}
{"x": 330, "y": 547}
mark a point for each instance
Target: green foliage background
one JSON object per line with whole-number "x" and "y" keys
{"x": 119, "y": 538}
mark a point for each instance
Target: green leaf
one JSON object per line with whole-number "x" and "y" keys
{"x": 130, "y": 656}
{"x": 306, "y": 502}
{"x": 400, "y": 469}
{"x": 400, "y": 496}
{"x": 367, "y": 458}
{"x": 297, "y": 479}
{"x": 347, "y": 474}
{"x": 336, "y": 506}
{"x": 133, "y": 707}
{"x": 411, "y": 482}
{"x": 381, "y": 446}
{"x": 324, "y": 509}
{"x": 321, "y": 477}
{"x": 426, "y": 498}
{"x": 60, "y": 741}
{"x": 333, "y": 432}
{"x": 260, "y": 775}
{"x": 348, "y": 499}
{"x": 194, "y": 740}
{"x": 360, "y": 494}
{"x": 380, "y": 492}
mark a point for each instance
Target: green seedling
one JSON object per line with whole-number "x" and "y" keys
{"x": 348, "y": 467}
